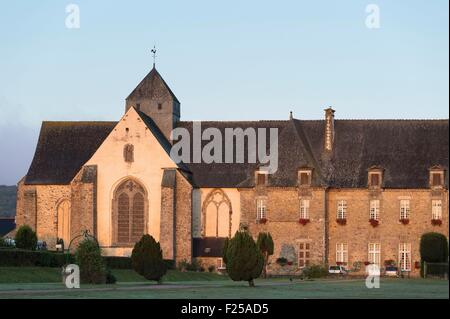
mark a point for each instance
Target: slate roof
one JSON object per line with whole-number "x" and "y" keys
{"x": 147, "y": 86}
{"x": 405, "y": 149}
{"x": 63, "y": 148}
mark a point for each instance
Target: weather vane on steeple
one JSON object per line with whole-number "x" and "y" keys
{"x": 154, "y": 55}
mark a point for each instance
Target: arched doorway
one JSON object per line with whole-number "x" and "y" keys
{"x": 216, "y": 215}
{"x": 63, "y": 211}
{"x": 130, "y": 213}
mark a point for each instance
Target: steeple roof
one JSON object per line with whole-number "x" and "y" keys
{"x": 148, "y": 86}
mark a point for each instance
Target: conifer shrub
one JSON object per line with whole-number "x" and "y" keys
{"x": 92, "y": 266}
{"x": 147, "y": 259}
{"x": 244, "y": 260}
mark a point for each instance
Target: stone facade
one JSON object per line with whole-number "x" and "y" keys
{"x": 283, "y": 223}
{"x": 190, "y": 208}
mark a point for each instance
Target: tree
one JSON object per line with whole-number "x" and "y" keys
{"x": 26, "y": 238}
{"x": 244, "y": 260}
{"x": 88, "y": 257}
{"x": 265, "y": 246}
{"x": 433, "y": 249}
{"x": 147, "y": 259}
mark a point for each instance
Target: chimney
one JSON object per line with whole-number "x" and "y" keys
{"x": 329, "y": 129}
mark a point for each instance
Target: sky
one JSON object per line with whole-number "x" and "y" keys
{"x": 228, "y": 60}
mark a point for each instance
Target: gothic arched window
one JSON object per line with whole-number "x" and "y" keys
{"x": 216, "y": 215}
{"x": 128, "y": 153}
{"x": 129, "y": 213}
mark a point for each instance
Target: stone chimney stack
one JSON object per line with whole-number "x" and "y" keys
{"x": 329, "y": 129}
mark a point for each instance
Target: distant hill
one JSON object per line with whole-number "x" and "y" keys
{"x": 8, "y": 201}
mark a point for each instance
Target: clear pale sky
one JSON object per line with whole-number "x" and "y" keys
{"x": 228, "y": 60}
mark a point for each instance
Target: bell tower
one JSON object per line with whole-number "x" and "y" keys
{"x": 154, "y": 98}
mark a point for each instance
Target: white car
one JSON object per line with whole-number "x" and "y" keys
{"x": 337, "y": 270}
{"x": 391, "y": 271}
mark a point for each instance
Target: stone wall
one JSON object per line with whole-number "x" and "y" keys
{"x": 282, "y": 223}
{"x": 83, "y": 208}
{"x": 183, "y": 219}
{"x": 358, "y": 232}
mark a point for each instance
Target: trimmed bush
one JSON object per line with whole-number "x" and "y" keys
{"x": 433, "y": 249}
{"x": 265, "y": 246}
{"x": 26, "y": 238}
{"x": 92, "y": 266}
{"x": 147, "y": 259}
{"x": 314, "y": 271}
{"x": 244, "y": 260}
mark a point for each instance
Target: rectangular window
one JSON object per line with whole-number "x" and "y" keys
{"x": 404, "y": 209}
{"x": 342, "y": 253}
{"x": 261, "y": 208}
{"x": 436, "y": 209}
{"x": 374, "y": 209}
{"x": 304, "y": 254}
{"x": 261, "y": 179}
{"x": 375, "y": 179}
{"x": 305, "y": 178}
{"x": 375, "y": 253}
{"x": 404, "y": 256}
{"x": 304, "y": 208}
{"x": 342, "y": 209}
{"x": 436, "y": 179}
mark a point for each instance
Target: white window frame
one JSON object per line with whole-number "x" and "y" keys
{"x": 261, "y": 208}
{"x": 342, "y": 253}
{"x": 405, "y": 208}
{"x": 304, "y": 208}
{"x": 220, "y": 264}
{"x": 374, "y": 253}
{"x": 404, "y": 256}
{"x": 342, "y": 209}
{"x": 374, "y": 210}
{"x": 436, "y": 209}
{"x": 305, "y": 250}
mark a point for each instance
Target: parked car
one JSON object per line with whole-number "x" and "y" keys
{"x": 337, "y": 270}
{"x": 391, "y": 271}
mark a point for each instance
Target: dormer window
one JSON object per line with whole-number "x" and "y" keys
{"x": 436, "y": 177}
{"x": 375, "y": 177}
{"x": 304, "y": 177}
{"x": 261, "y": 178}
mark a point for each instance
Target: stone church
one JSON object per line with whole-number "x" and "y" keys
{"x": 347, "y": 192}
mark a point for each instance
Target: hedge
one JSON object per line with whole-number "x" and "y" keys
{"x": 27, "y": 258}
{"x": 24, "y": 258}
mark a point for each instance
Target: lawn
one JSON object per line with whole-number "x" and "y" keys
{"x": 10, "y": 275}
{"x": 189, "y": 285}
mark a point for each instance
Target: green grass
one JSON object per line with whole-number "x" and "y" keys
{"x": 53, "y": 275}
{"x": 24, "y": 283}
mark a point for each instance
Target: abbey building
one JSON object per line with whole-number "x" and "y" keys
{"x": 345, "y": 192}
